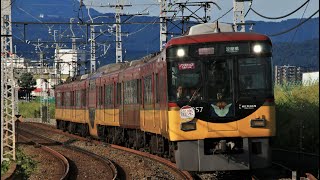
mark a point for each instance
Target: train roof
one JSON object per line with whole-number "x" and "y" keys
{"x": 217, "y": 37}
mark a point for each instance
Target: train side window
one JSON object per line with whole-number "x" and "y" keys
{"x": 157, "y": 90}
{"x": 67, "y": 99}
{"x": 84, "y": 98}
{"x": 139, "y": 92}
{"x": 62, "y": 99}
{"x": 108, "y": 94}
{"x": 58, "y": 102}
{"x": 100, "y": 96}
{"x": 133, "y": 91}
{"x": 147, "y": 91}
{"x": 72, "y": 98}
{"x": 119, "y": 93}
{"x": 78, "y": 98}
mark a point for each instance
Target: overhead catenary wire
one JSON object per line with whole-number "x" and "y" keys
{"x": 299, "y": 22}
{"x": 283, "y": 32}
{"x": 280, "y": 17}
{"x": 223, "y": 14}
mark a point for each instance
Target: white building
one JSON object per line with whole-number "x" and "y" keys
{"x": 310, "y": 78}
{"x": 68, "y": 61}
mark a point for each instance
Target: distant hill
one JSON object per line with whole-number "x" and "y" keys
{"x": 299, "y": 45}
{"x": 304, "y": 54}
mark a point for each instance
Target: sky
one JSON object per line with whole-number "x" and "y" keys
{"x": 269, "y": 8}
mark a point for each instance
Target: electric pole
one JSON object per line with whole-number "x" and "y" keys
{"x": 8, "y": 99}
{"x": 93, "y": 50}
{"x": 238, "y": 15}
{"x": 163, "y": 23}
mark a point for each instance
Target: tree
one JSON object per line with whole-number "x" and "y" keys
{"x": 27, "y": 83}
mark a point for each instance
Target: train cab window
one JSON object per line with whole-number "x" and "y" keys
{"x": 254, "y": 75}
{"x": 219, "y": 80}
{"x": 184, "y": 74}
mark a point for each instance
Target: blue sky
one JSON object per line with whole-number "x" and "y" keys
{"x": 270, "y": 8}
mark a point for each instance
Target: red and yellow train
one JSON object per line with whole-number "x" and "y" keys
{"x": 206, "y": 101}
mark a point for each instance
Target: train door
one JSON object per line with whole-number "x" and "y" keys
{"x": 119, "y": 101}
{"x": 92, "y": 103}
{"x": 156, "y": 102}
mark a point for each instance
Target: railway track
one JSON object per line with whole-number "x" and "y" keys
{"x": 83, "y": 164}
{"x": 62, "y": 162}
{"x": 134, "y": 164}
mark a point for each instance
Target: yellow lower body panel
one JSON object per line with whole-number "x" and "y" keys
{"x": 239, "y": 128}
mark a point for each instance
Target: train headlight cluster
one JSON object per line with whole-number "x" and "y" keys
{"x": 258, "y": 123}
{"x": 188, "y": 126}
{"x": 257, "y": 48}
{"x": 180, "y": 52}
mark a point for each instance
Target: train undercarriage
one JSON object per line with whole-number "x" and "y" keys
{"x": 196, "y": 155}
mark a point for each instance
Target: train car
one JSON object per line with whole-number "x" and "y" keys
{"x": 206, "y": 101}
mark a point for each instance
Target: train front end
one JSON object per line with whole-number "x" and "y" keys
{"x": 221, "y": 108}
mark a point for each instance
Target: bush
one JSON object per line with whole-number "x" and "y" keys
{"x": 5, "y": 167}
{"x": 297, "y": 113}
{"x": 25, "y": 165}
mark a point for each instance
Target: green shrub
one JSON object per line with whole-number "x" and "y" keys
{"x": 297, "y": 113}
{"x": 25, "y": 165}
{"x": 5, "y": 167}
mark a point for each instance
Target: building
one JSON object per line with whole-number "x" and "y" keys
{"x": 288, "y": 74}
{"x": 68, "y": 62}
{"x": 310, "y": 78}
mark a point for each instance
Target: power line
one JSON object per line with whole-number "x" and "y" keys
{"x": 299, "y": 22}
{"x": 280, "y": 33}
{"x": 223, "y": 15}
{"x": 280, "y": 16}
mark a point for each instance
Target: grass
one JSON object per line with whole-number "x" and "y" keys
{"x": 297, "y": 111}
{"x": 32, "y": 109}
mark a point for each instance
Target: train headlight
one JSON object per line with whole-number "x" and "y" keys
{"x": 180, "y": 52}
{"x": 258, "y": 123}
{"x": 257, "y": 48}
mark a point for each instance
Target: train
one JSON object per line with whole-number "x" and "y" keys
{"x": 205, "y": 101}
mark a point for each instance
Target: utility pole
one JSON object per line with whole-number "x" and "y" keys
{"x": 8, "y": 140}
{"x": 43, "y": 93}
{"x": 185, "y": 12}
{"x": 93, "y": 50}
{"x": 163, "y": 23}
{"x": 238, "y": 15}
{"x": 119, "y": 8}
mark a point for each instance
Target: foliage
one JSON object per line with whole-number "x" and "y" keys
{"x": 297, "y": 111}
{"x": 26, "y": 81}
{"x": 25, "y": 165}
{"x": 32, "y": 109}
{"x": 5, "y": 167}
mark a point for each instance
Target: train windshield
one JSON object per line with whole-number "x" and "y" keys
{"x": 254, "y": 76}
{"x": 219, "y": 78}
{"x": 185, "y": 78}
